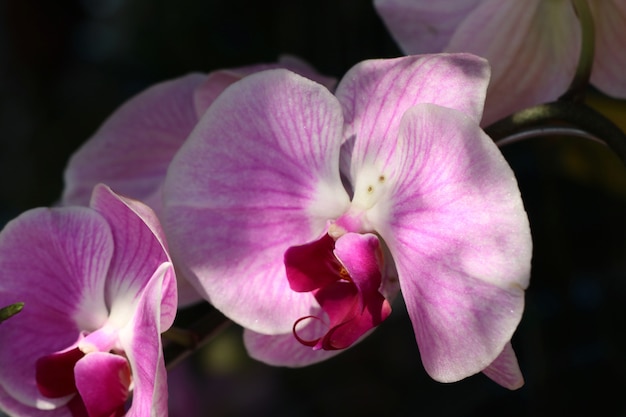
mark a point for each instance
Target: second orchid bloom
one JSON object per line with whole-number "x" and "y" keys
{"x": 301, "y": 214}
{"x": 533, "y": 46}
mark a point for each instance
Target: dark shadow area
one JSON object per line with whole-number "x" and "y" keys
{"x": 66, "y": 65}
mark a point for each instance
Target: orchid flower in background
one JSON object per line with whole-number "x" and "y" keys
{"x": 98, "y": 289}
{"x": 290, "y": 209}
{"x": 532, "y": 46}
{"x": 133, "y": 148}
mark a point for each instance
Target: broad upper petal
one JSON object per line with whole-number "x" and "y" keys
{"x": 56, "y": 262}
{"x": 259, "y": 174}
{"x": 376, "y": 93}
{"x": 132, "y": 149}
{"x": 610, "y": 51}
{"x": 457, "y": 230}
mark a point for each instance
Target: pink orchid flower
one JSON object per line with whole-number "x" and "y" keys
{"x": 532, "y": 46}
{"x": 99, "y": 289}
{"x": 291, "y": 209}
{"x": 133, "y": 148}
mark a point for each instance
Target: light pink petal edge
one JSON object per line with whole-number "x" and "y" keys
{"x": 505, "y": 369}
{"x": 131, "y": 151}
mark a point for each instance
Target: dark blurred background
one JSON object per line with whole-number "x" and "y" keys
{"x": 67, "y": 64}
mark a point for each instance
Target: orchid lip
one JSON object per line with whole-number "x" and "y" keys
{"x": 344, "y": 276}
{"x": 67, "y": 374}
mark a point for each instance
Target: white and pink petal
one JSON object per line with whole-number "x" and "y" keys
{"x": 131, "y": 151}
{"x": 140, "y": 249}
{"x": 375, "y": 94}
{"x": 532, "y": 61}
{"x": 55, "y": 261}
{"x": 258, "y": 174}
{"x": 460, "y": 238}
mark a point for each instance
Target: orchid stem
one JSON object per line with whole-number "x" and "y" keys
{"x": 182, "y": 337}
{"x": 180, "y": 342}
{"x": 559, "y": 118}
{"x": 578, "y": 86}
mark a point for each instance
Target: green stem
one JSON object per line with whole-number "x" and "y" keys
{"x": 180, "y": 342}
{"x": 578, "y": 86}
{"x": 557, "y": 118}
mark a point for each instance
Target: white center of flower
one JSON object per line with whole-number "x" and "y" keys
{"x": 370, "y": 187}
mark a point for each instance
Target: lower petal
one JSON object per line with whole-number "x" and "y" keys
{"x": 284, "y": 349}
{"x": 505, "y": 369}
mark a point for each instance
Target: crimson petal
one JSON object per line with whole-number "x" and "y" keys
{"x": 55, "y": 373}
{"x": 312, "y": 265}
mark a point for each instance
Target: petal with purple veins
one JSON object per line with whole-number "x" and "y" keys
{"x": 459, "y": 235}
{"x": 259, "y": 174}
